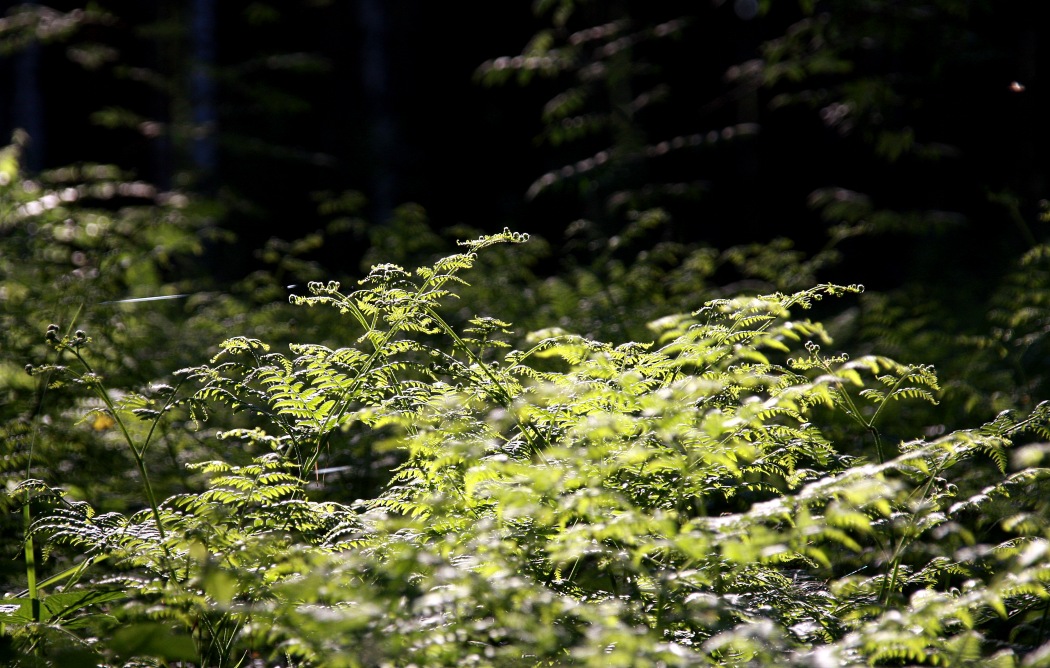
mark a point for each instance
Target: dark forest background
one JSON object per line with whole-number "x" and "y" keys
{"x": 930, "y": 110}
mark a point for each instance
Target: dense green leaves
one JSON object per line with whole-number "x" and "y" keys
{"x": 418, "y": 482}
{"x": 729, "y": 494}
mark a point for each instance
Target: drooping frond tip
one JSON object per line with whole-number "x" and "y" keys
{"x": 506, "y": 236}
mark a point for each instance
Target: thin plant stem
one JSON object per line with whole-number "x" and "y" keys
{"x": 140, "y": 462}
{"x": 30, "y": 552}
{"x": 94, "y": 382}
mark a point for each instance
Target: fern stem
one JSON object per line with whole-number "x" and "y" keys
{"x": 30, "y": 552}
{"x": 502, "y": 397}
{"x": 73, "y": 573}
{"x": 139, "y": 461}
{"x": 346, "y": 398}
{"x": 854, "y": 412}
{"x": 101, "y": 392}
{"x": 156, "y": 420}
{"x": 878, "y": 443}
{"x": 890, "y": 585}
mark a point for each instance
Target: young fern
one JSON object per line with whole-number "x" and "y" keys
{"x": 321, "y": 390}
{"x": 689, "y": 501}
{"x": 903, "y": 381}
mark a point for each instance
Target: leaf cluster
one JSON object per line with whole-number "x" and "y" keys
{"x": 727, "y": 494}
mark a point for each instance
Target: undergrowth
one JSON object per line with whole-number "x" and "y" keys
{"x": 733, "y": 493}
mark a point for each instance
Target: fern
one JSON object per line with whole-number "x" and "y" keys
{"x": 724, "y": 495}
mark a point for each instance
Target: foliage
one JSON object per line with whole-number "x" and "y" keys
{"x": 92, "y": 248}
{"x": 729, "y": 494}
{"x": 674, "y": 468}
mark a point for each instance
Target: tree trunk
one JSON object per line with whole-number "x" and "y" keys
{"x": 204, "y": 148}
{"x": 27, "y": 111}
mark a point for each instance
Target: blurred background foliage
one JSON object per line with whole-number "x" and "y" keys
{"x": 662, "y": 154}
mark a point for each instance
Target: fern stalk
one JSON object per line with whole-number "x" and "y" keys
{"x": 140, "y": 462}
{"x": 889, "y": 584}
{"x": 30, "y": 552}
{"x": 502, "y": 397}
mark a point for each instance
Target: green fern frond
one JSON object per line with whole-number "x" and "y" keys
{"x": 238, "y": 345}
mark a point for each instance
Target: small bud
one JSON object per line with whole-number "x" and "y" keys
{"x": 29, "y": 369}
{"x": 81, "y": 334}
{"x": 52, "y": 335}
{"x": 52, "y": 327}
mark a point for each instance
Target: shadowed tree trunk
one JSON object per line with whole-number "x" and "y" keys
{"x": 375, "y": 75}
{"x": 27, "y": 110}
{"x": 204, "y": 148}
